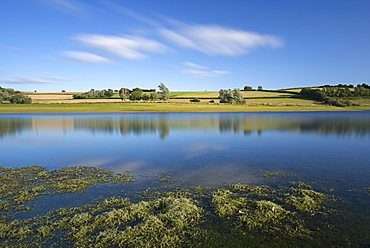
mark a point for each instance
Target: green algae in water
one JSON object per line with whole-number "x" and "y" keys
{"x": 276, "y": 174}
{"x": 235, "y": 215}
{"x": 164, "y": 222}
{"x": 367, "y": 190}
{"x": 20, "y": 186}
{"x": 262, "y": 208}
{"x": 306, "y": 200}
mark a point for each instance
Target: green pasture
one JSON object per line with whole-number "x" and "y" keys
{"x": 181, "y": 96}
{"x": 150, "y": 107}
{"x": 257, "y": 101}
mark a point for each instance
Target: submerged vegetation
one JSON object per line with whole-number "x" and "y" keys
{"x": 20, "y": 186}
{"x": 237, "y": 215}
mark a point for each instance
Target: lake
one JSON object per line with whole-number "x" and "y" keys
{"x": 328, "y": 149}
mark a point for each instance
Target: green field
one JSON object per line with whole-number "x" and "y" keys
{"x": 161, "y": 107}
{"x": 257, "y": 101}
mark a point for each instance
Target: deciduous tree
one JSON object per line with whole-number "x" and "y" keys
{"x": 164, "y": 93}
{"x": 123, "y": 93}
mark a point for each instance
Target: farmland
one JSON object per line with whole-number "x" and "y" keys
{"x": 257, "y": 101}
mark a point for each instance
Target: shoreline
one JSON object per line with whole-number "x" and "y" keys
{"x": 165, "y": 107}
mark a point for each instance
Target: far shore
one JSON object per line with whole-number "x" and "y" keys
{"x": 207, "y": 101}
{"x": 118, "y": 106}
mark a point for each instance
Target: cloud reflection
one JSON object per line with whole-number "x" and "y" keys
{"x": 137, "y": 166}
{"x": 199, "y": 149}
{"x": 215, "y": 175}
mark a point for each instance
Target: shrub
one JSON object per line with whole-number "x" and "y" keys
{"x": 135, "y": 95}
{"x": 20, "y": 99}
{"x": 145, "y": 97}
{"x": 195, "y": 99}
{"x": 154, "y": 96}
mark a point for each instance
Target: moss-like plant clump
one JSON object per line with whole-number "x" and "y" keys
{"x": 275, "y": 174}
{"x": 20, "y": 186}
{"x": 367, "y": 190}
{"x": 268, "y": 210}
{"x": 164, "y": 222}
{"x": 306, "y": 200}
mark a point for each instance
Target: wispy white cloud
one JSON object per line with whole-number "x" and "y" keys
{"x": 10, "y": 47}
{"x": 27, "y": 80}
{"x": 33, "y": 80}
{"x": 117, "y": 7}
{"x": 193, "y": 65}
{"x": 56, "y": 78}
{"x": 218, "y": 40}
{"x": 128, "y": 47}
{"x": 85, "y": 57}
{"x": 199, "y": 71}
{"x": 72, "y": 7}
{"x": 204, "y": 74}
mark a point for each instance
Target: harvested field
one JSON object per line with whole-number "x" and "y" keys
{"x": 70, "y": 101}
{"x": 49, "y": 97}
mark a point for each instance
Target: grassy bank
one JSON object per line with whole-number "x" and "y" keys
{"x": 257, "y": 101}
{"x": 161, "y": 107}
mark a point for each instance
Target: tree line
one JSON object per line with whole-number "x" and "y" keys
{"x": 139, "y": 94}
{"x": 124, "y": 93}
{"x": 13, "y": 96}
{"x": 250, "y": 88}
{"x": 330, "y": 94}
{"x": 95, "y": 94}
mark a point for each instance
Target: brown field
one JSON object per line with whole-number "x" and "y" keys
{"x": 247, "y": 94}
{"x": 51, "y": 93}
{"x": 46, "y": 96}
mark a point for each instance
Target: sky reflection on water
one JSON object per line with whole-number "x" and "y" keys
{"x": 202, "y": 149}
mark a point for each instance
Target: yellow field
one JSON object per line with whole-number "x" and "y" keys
{"x": 49, "y": 97}
{"x": 253, "y": 98}
{"x": 247, "y": 94}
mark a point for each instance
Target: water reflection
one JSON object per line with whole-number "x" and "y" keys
{"x": 11, "y": 126}
{"x": 337, "y": 123}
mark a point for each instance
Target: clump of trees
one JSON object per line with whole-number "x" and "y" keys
{"x": 136, "y": 94}
{"x": 154, "y": 96}
{"x": 231, "y": 96}
{"x": 124, "y": 93}
{"x": 249, "y": 88}
{"x": 95, "y": 94}
{"x": 360, "y": 90}
{"x": 331, "y": 94}
{"x": 13, "y": 96}
{"x": 146, "y": 95}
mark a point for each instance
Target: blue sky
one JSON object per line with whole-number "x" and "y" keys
{"x": 189, "y": 45}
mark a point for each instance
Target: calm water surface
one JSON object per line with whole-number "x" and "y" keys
{"x": 203, "y": 149}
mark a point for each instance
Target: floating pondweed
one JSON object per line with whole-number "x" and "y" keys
{"x": 226, "y": 203}
{"x": 267, "y": 209}
{"x": 367, "y": 190}
{"x": 276, "y": 174}
{"x": 21, "y": 186}
{"x": 167, "y": 180}
{"x": 301, "y": 184}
